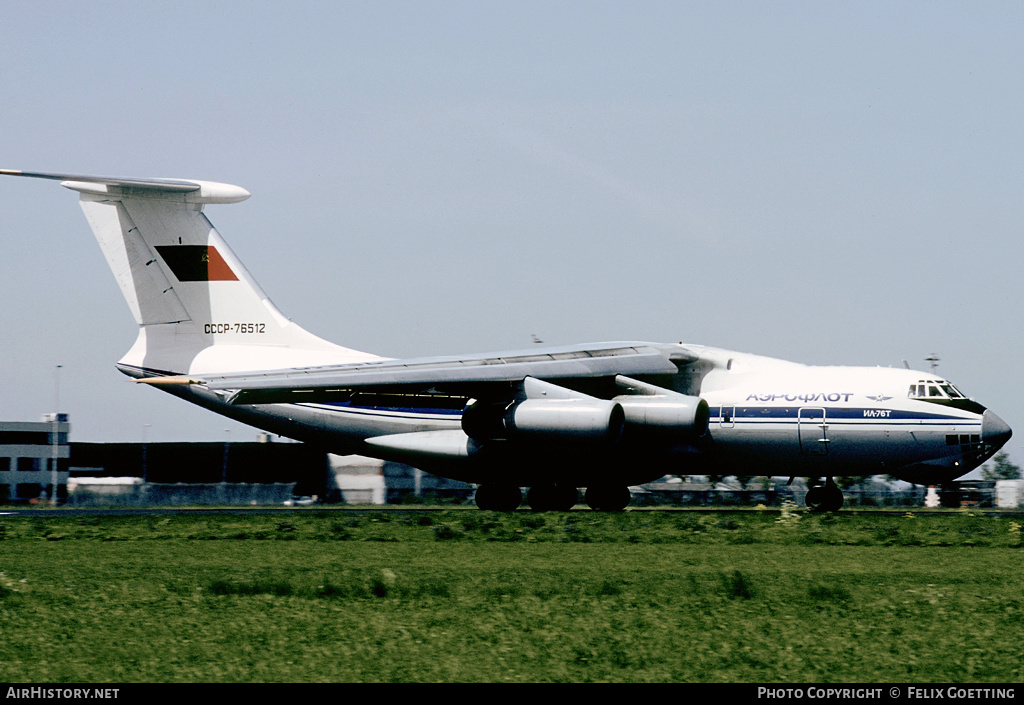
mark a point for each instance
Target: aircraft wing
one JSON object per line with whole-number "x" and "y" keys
{"x": 452, "y": 374}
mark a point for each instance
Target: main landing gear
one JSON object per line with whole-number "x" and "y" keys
{"x": 551, "y": 498}
{"x": 498, "y": 498}
{"x": 824, "y": 498}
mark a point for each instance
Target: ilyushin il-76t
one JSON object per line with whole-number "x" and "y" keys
{"x": 600, "y": 416}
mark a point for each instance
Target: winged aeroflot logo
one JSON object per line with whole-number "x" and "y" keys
{"x": 880, "y": 397}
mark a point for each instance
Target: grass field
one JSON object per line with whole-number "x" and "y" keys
{"x": 465, "y": 595}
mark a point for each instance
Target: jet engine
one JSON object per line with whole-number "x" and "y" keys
{"x": 677, "y": 414}
{"x": 584, "y": 418}
{"x": 547, "y": 411}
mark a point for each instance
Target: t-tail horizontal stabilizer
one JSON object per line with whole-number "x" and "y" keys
{"x": 198, "y": 191}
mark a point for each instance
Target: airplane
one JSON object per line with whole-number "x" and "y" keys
{"x": 602, "y": 416}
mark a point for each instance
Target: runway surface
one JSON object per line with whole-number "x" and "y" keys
{"x": 47, "y": 512}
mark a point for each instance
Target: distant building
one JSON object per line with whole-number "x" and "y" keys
{"x": 360, "y": 480}
{"x": 1009, "y": 494}
{"x": 204, "y": 472}
{"x": 207, "y": 464}
{"x": 27, "y": 454}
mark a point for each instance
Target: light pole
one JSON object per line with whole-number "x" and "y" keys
{"x": 224, "y": 468}
{"x": 145, "y": 440}
{"x": 55, "y": 437}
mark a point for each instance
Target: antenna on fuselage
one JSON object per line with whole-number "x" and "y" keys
{"x": 932, "y": 360}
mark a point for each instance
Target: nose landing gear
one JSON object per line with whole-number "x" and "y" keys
{"x": 824, "y": 498}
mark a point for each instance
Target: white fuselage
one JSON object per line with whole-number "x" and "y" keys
{"x": 768, "y": 417}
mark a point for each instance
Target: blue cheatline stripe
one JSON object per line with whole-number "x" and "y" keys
{"x": 430, "y": 411}
{"x": 748, "y": 413}
{"x": 388, "y": 412}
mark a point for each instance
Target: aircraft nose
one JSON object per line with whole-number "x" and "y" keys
{"x": 994, "y": 431}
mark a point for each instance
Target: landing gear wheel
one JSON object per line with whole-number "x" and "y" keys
{"x": 824, "y": 498}
{"x": 833, "y": 500}
{"x": 498, "y": 498}
{"x": 607, "y": 498}
{"x": 814, "y": 497}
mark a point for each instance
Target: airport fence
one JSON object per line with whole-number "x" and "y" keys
{"x": 185, "y": 494}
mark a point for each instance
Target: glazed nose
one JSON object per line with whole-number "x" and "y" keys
{"x": 994, "y": 431}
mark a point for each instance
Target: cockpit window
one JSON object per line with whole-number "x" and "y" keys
{"x": 951, "y": 391}
{"x": 939, "y": 391}
{"x": 934, "y": 389}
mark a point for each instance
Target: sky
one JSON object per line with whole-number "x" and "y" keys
{"x": 825, "y": 182}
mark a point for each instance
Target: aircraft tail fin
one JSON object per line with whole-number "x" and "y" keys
{"x": 197, "y": 306}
